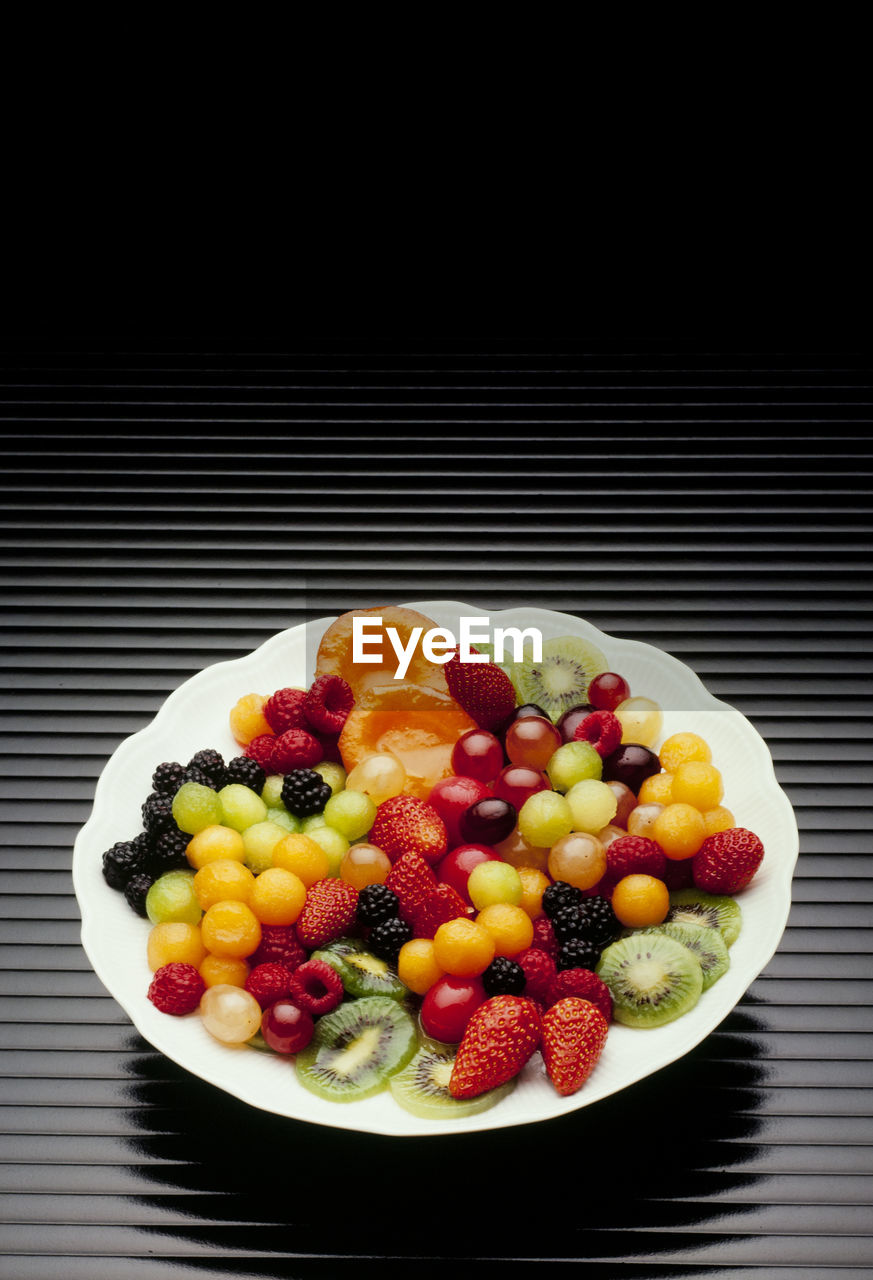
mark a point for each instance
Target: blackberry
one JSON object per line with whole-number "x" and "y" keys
{"x": 568, "y": 923}
{"x": 305, "y": 792}
{"x": 377, "y": 903}
{"x": 210, "y": 764}
{"x": 387, "y": 938}
{"x": 157, "y": 814}
{"x": 135, "y": 892}
{"x": 578, "y": 953}
{"x": 560, "y": 894}
{"x": 168, "y": 778}
{"x": 504, "y": 977}
{"x": 247, "y": 772}
{"x": 168, "y": 852}
{"x": 122, "y": 862}
{"x": 599, "y": 923}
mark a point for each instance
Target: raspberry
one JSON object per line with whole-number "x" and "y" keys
{"x": 246, "y": 771}
{"x": 279, "y": 942}
{"x": 558, "y": 895}
{"x": 122, "y": 862}
{"x": 585, "y": 984}
{"x": 328, "y": 703}
{"x": 168, "y": 777}
{"x": 176, "y": 988}
{"x": 284, "y": 710}
{"x": 295, "y": 749}
{"x": 376, "y": 902}
{"x": 388, "y": 937}
{"x": 602, "y": 729}
{"x": 632, "y": 855}
{"x": 316, "y": 987}
{"x": 504, "y": 977}
{"x": 305, "y": 792}
{"x": 210, "y": 765}
{"x": 544, "y": 936}
{"x": 269, "y": 982}
{"x": 539, "y": 972}
{"x": 578, "y": 953}
{"x": 260, "y": 749}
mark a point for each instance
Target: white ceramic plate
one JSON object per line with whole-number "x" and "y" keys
{"x": 196, "y": 716}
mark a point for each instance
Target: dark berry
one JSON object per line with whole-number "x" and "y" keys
{"x": 305, "y": 792}
{"x": 504, "y": 977}
{"x": 247, "y": 772}
{"x": 387, "y": 938}
{"x": 376, "y": 903}
{"x": 135, "y": 892}
{"x": 168, "y": 778}
{"x": 569, "y": 922}
{"x": 578, "y": 953}
{"x": 599, "y": 923}
{"x": 123, "y": 861}
{"x": 210, "y": 764}
{"x": 168, "y": 852}
{"x": 157, "y": 814}
{"x": 560, "y": 894}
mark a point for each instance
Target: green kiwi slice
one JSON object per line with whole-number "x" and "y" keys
{"x": 561, "y": 680}
{"x": 422, "y": 1087}
{"x": 362, "y": 973}
{"x": 717, "y": 911}
{"x": 653, "y": 979}
{"x": 706, "y": 943}
{"x": 356, "y": 1048}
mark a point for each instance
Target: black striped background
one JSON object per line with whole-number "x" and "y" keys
{"x": 175, "y": 504}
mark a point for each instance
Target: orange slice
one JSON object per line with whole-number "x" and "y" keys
{"x": 335, "y": 653}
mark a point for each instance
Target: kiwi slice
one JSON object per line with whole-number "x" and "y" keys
{"x": 561, "y": 680}
{"x": 356, "y": 1048}
{"x": 707, "y": 944}
{"x": 422, "y": 1087}
{"x": 653, "y": 979}
{"x": 362, "y": 973}
{"x": 717, "y": 911}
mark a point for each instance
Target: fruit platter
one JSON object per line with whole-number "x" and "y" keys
{"x": 419, "y": 869}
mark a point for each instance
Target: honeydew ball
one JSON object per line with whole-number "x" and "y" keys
{"x": 172, "y": 898}
{"x": 572, "y": 763}
{"x": 350, "y": 812}
{"x": 334, "y": 844}
{"x": 593, "y": 805}
{"x": 544, "y": 818}
{"x": 271, "y": 791}
{"x": 491, "y": 882}
{"x": 333, "y": 774}
{"x": 259, "y": 841}
{"x": 196, "y": 807}
{"x": 240, "y": 806}
{"x": 287, "y": 821}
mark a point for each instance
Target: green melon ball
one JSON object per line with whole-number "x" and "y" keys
{"x": 310, "y": 824}
{"x": 284, "y": 819}
{"x": 350, "y": 812}
{"x": 334, "y": 844}
{"x": 196, "y": 807}
{"x": 492, "y": 882}
{"x": 592, "y": 804}
{"x": 271, "y": 792}
{"x": 572, "y": 763}
{"x": 333, "y": 774}
{"x": 259, "y": 841}
{"x": 240, "y": 807}
{"x": 544, "y": 818}
{"x": 172, "y": 898}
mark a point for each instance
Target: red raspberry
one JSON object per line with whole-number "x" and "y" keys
{"x": 295, "y": 749}
{"x": 544, "y": 936}
{"x": 284, "y": 710}
{"x": 634, "y": 855}
{"x": 260, "y": 749}
{"x": 329, "y": 743}
{"x": 279, "y": 942}
{"x": 539, "y": 972}
{"x": 678, "y": 873}
{"x": 316, "y": 987}
{"x": 586, "y": 985}
{"x": 602, "y": 729}
{"x": 726, "y": 862}
{"x": 328, "y": 703}
{"x": 269, "y": 982}
{"x": 176, "y": 988}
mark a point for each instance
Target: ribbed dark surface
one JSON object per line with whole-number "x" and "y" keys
{"x": 165, "y": 509}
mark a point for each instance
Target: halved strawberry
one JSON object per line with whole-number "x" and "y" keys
{"x": 483, "y": 690}
{"x": 405, "y": 824}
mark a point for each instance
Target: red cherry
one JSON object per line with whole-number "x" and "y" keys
{"x": 517, "y": 782}
{"x": 607, "y": 690}
{"x": 456, "y": 866}
{"x": 451, "y": 796}
{"x": 448, "y": 1007}
{"x": 477, "y": 754}
{"x": 286, "y": 1028}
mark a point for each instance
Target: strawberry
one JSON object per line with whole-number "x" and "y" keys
{"x": 483, "y": 690}
{"x": 405, "y": 824}
{"x": 413, "y": 881}
{"x": 573, "y": 1035}
{"x": 442, "y": 904}
{"x": 726, "y": 862}
{"x": 328, "y": 912}
{"x": 501, "y": 1036}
